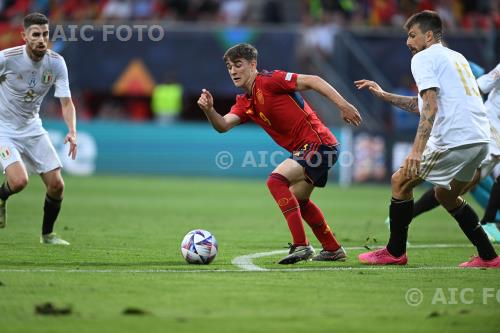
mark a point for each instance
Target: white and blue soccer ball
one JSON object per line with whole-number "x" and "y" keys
{"x": 199, "y": 247}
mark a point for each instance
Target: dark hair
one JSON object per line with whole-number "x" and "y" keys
{"x": 239, "y": 51}
{"x": 34, "y": 19}
{"x": 426, "y": 20}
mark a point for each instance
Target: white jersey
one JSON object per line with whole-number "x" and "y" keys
{"x": 461, "y": 117}
{"x": 23, "y": 85}
{"x": 490, "y": 84}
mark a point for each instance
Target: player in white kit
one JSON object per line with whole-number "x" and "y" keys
{"x": 490, "y": 84}
{"x": 451, "y": 141}
{"x": 26, "y": 74}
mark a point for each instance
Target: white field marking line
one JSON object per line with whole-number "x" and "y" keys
{"x": 245, "y": 262}
{"x": 316, "y": 269}
{"x": 249, "y": 266}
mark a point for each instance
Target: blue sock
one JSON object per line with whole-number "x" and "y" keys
{"x": 480, "y": 195}
{"x": 486, "y": 183}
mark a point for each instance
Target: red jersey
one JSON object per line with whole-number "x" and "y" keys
{"x": 281, "y": 111}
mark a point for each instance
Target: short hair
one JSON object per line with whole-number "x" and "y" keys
{"x": 427, "y": 20}
{"x": 34, "y": 19}
{"x": 239, "y": 51}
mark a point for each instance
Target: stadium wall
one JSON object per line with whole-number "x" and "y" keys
{"x": 185, "y": 149}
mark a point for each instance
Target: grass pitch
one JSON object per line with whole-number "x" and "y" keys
{"x": 124, "y": 256}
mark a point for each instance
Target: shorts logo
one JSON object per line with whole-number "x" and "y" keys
{"x": 4, "y": 153}
{"x": 249, "y": 111}
{"x": 288, "y": 76}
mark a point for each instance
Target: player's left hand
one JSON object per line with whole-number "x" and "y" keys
{"x": 71, "y": 138}
{"x": 411, "y": 166}
{"x": 350, "y": 115}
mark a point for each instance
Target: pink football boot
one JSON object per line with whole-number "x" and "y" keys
{"x": 382, "y": 257}
{"x": 481, "y": 263}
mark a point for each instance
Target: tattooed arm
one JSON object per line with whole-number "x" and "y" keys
{"x": 411, "y": 165}
{"x": 407, "y": 103}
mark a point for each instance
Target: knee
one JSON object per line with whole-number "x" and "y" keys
{"x": 398, "y": 185}
{"x": 402, "y": 187}
{"x": 17, "y": 184}
{"x": 394, "y": 178}
{"x": 445, "y": 198}
{"x": 275, "y": 179}
{"x": 441, "y": 197}
{"x": 56, "y": 187}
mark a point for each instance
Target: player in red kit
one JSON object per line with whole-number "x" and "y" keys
{"x": 271, "y": 100}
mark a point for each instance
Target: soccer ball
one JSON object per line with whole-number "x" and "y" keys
{"x": 199, "y": 247}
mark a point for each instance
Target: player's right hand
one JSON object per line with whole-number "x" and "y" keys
{"x": 350, "y": 115}
{"x": 206, "y": 101}
{"x": 411, "y": 166}
{"x": 371, "y": 85}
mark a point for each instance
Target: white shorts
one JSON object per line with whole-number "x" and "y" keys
{"x": 490, "y": 165}
{"x": 440, "y": 167}
{"x": 36, "y": 152}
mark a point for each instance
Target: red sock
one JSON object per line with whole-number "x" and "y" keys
{"x": 314, "y": 217}
{"x": 279, "y": 187}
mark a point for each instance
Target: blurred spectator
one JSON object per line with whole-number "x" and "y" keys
{"x": 233, "y": 11}
{"x": 469, "y": 14}
{"x": 117, "y": 10}
{"x": 445, "y": 10}
{"x": 143, "y": 9}
{"x": 478, "y": 14}
{"x": 41, "y": 6}
{"x": 178, "y": 9}
{"x": 318, "y": 37}
{"x": 15, "y": 8}
{"x": 425, "y": 5}
{"x": 75, "y": 10}
{"x": 382, "y": 12}
{"x": 345, "y": 8}
{"x": 206, "y": 10}
{"x": 272, "y": 12}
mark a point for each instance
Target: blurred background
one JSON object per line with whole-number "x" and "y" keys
{"x": 137, "y": 67}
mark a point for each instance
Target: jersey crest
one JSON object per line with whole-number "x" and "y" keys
{"x": 4, "y": 153}
{"x": 47, "y": 77}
